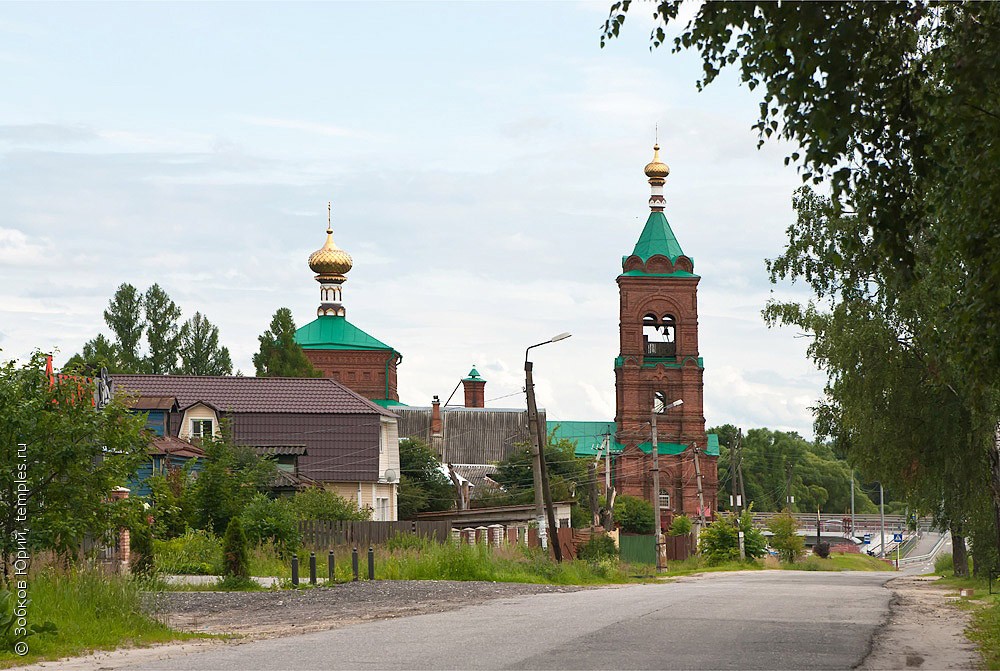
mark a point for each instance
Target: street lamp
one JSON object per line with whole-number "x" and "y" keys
{"x": 543, "y": 497}
{"x": 656, "y": 483}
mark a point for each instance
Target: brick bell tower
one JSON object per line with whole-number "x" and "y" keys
{"x": 659, "y": 363}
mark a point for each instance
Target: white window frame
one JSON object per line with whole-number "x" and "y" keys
{"x": 200, "y": 422}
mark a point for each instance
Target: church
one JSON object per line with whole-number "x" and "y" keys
{"x": 658, "y": 364}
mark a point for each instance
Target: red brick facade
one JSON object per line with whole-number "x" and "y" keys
{"x": 362, "y": 371}
{"x": 639, "y": 376}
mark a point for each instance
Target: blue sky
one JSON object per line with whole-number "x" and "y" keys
{"x": 485, "y": 166}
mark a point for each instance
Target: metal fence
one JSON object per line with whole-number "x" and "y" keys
{"x": 325, "y": 534}
{"x": 637, "y": 549}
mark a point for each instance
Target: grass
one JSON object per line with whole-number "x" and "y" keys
{"x": 838, "y": 561}
{"x": 697, "y": 564}
{"x": 984, "y": 630}
{"x": 92, "y": 611}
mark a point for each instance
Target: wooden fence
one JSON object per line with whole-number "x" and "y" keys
{"x": 323, "y": 534}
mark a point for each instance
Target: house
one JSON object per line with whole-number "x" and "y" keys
{"x": 317, "y": 430}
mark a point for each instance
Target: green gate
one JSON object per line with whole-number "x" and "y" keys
{"x": 637, "y": 549}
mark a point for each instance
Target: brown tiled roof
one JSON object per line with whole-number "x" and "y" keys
{"x": 251, "y": 394}
{"x": 175, "y": 447}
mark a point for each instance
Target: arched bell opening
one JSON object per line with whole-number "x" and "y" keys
{"x": 659, "y": 335}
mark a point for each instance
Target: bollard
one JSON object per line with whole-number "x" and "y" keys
{"x": 371, "y": 562}
{"x": 354, "y": 563}
{"x": 312, "y": 568}
{"x": 295, "y": 570}
{"x": 329, "y": 568}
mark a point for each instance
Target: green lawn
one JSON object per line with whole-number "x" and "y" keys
{"x": 985, "y": 627}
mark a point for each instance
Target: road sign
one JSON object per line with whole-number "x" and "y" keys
{"x": 868, "y": 538}
{"x": 897, "y": 538}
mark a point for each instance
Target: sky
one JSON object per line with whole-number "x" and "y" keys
{"x": 484, "y": 160}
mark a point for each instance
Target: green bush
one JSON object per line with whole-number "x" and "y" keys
{"x": 271, "y": 520}
{"x": 235, "y": 553}
{"x": 141, "y": 549}
{"x": 944, "y": 564}
{"x": 634, "y": 515}
{"x": 598, "y": 548}
{"x": 681, "y": 526}
{"x": 195, "y": 553}
{"x": 719, "y": 541}
{"x": 785, "y": 539}
{"x": 316, "y": 503}
{"x": 822, "y": 549}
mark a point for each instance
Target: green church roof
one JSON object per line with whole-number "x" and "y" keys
{"x": 330, "y": 332}
{"x": 657, "y": 238}
{"x": 589, "y": 437}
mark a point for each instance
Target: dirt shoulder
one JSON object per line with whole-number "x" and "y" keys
{"x": 248, "y": 616}
{"x": 924, "y": 630}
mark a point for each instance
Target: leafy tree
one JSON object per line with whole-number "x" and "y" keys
{"x": 567, "y": 475}
{"x": 235, "y": 553}
{"x": 267, "y": 519}
{"x": 96, "y": 354}
{"x": 893, "y": 380}
{"x": 162, "y": 331}
{"x": 124, "y": 318}
{"x": 280, "y": 355}
{"x": 422, "y": 487}
{"x": 634, "y": 515}
{"x": 172, "y": 501}
{"x": 785, "y": 539}
{"x": 681, "y": 526}
{"x": 316, "y": 503}
{"x": 232, "y": 474}
{"x": 199, "y": 349}
{"x": 141, "y": 548}
{"x": 75, "y": 455}
{"x": 719, "y": 541}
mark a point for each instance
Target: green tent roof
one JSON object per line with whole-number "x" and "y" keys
{"x": 474, "y": 376}
{"x": 331, "y": 332}
{"x": 657, "y": 238}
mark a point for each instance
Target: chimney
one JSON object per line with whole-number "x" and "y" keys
{"x": 475, "y": 390}
{"x": 436, "y": 416}
{"x": 437, "y": 435}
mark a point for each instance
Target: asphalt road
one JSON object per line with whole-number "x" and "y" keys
{"x": 752, "y": 620}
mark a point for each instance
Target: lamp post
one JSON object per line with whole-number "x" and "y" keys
{"x": 656, "y": 483}
{"x": 543, "y": 497}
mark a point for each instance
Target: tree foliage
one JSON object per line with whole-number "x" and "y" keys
{"x": 719, "y": 541}
{"x": 235, "y": 552}
{"x": 124, "y": 318}
{"x": 634, "y": 515}
{"x": 230, "y": 478}
{"x": 162, "y": 331}
{"x": 74, "y": 456}
{"x": 785, "y": 539}
{"x": 199, "y": 349}
{"x": 271, "y": 520}
{"x": 422, "y": 486}
{"x": 279, "y": 354}
{"x": 818, "y": 477}
{"x": 316, "y": 503}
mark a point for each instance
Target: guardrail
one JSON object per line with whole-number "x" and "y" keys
{"x": 930, "y": 555}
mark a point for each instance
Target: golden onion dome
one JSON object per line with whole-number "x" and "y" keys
{"x": 656, "y": 167}
{"x": 330, "y": 260}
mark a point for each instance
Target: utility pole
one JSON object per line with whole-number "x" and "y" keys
{"x": 592, "y": 479}
{"x": 701, "y": 496}
{"x": 881, "y": 515}
{"x": 789, "y": 499}
{"x": 656, "y": 496}
{"x": 852, "y": 502}
{"x": 536, "y": 453}
{"x": 739, "y": 470}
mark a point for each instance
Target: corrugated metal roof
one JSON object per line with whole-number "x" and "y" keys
{"x": 280, "y": 450}
{"x": 657, "y": 238}
{"x": 471, "y": 435}
{"x": 169, "y": 445}
{"x": 155, "y": 403}
{"x": 250, "y": 394}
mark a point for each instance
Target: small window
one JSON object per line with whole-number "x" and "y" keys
{"x": 201, "y": 428}
{"x": 664, "y": 500}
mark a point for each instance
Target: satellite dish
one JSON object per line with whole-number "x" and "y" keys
{"x": 390, "y": 475}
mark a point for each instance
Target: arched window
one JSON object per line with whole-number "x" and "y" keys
{"x": 659, "y": 402}
{"x": 658, "y": 335}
